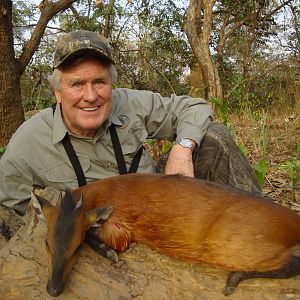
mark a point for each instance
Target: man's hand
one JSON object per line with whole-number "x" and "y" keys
{"x": 180, "y": 161}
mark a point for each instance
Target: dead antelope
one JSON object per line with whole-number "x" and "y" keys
{"x": 189, "y": 219}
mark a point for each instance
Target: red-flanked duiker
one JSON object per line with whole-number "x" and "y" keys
{"x": 189, "y": 219}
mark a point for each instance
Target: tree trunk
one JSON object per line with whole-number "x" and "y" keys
{"x": 246, "y": 53}
{"x": 198, "y": 32}
{"x": 107, "y": 24}
{"x": 11, "y": 110}
{"x": 196, "y": 79}
{"x": 11, "y": 69}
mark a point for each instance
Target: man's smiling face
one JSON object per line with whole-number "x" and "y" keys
{"x": 85, "y": 95}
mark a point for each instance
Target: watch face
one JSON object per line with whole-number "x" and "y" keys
{"x": 187, "y": 143}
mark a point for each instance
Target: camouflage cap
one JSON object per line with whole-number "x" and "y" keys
{"x": 80, "y": 43}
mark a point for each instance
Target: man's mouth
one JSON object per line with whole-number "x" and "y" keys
{"x": 90, "y": 108}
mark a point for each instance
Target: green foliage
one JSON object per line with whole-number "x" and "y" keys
{"x": 293, "y": 38}
{"x": 37, "y": 103}
{"x": 2, "y": 150}
{"x": 89, "y": 17}
{"x": 24, "y": 15}
{"x": 243, "y": 148}
{"x": 152, "y": 52}
{"x": 238, "y": 95}
{"x": 36, "y": 92}
{"x": 261, "y": 170}
{"x": 222, "y": 108}
{"x": 167, "y": 146}
{"x": 162, "y": 54}
{"x": 151, "y": 142}
{"x": 292, "y": 167}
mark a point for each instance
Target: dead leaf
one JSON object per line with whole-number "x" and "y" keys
{"x": 297, "y": 196}
{"x": 267, "y": 190}
{"x": 279, "y": 182}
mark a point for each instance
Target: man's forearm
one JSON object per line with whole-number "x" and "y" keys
{"x": 180, "y": 161}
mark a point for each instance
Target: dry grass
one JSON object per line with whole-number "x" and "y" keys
{"x": 274, "y": 136}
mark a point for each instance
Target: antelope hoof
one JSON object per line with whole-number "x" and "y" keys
{"x": 113, "y": 256}
{"x": 109, "y": 253}
{"x": 100, "y": 247}
{"x": 228, "y": 290}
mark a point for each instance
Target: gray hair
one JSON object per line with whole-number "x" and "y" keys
{"x": 55, "y": 77}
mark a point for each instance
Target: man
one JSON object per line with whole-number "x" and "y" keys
{"x": 96, "y": 132}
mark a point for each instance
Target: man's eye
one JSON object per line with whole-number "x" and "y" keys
{"x": 76, "y": 84}
{"x": 99, "y": 81}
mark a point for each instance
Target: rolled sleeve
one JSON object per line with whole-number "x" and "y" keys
{"x": 193, "y": 116}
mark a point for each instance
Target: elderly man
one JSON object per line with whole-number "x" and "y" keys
{"x": 95, "y": 131}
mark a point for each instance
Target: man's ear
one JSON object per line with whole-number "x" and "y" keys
{"x": 57, "y": 96}
{"x": 97, "y": 216}
{"x": 42, "y": 207}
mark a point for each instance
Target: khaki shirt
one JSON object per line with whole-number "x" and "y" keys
{"x": 36, "y": 156}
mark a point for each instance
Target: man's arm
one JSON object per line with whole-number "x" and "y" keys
{"x": 15, "y": 180}
{"x": 171, "y": 118}
{"x": 180, "y": 161}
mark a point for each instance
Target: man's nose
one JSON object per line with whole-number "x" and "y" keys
{"x": 90, "y": 93}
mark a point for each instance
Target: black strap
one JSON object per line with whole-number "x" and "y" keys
{"x": 74, "y": 160}
{"x": 117, "y": 149}
{"x": 119, "y": 154}
{"x": 72, "y": 156}
{"x": 136, "y": 161}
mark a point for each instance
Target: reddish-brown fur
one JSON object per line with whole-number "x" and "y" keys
{"x": 194, "y": 220}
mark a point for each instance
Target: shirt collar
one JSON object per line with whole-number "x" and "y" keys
{"x": 60, "y": 129}
{"x": 112, "y": 119}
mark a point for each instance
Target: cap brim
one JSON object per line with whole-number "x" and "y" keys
{"x": 84, "y": 52}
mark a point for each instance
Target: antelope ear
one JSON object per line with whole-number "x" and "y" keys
{"x": 41, "y": 206}
{"x": 79, "y": 204}
{"x": 97, "y": 216}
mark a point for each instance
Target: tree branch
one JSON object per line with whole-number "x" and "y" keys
{"x": 151, "y": 65}
{"x": 48, "y": 10}
{"x": 156, "y": 70}
{"x": 110, "y": 10}
{"x": 252, "y": 16}
{"x": 78, "y": 18}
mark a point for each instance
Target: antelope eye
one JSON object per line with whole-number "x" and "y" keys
{"x": 78, "y": 248}
{"x": 46, "y": 244}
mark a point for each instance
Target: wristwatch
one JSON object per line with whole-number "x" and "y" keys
{"x": 187, "y": 143}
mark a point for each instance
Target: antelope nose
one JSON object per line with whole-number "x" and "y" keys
{"x": 54, "y": 290}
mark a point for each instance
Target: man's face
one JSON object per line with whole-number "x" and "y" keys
{"x": 85, "y": 95}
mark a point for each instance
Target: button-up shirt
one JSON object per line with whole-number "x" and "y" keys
{"x": 35, "y": 154}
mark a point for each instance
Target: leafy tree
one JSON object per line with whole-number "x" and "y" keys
{"x": 152, "y": 51}
{"x": 211, "y": 25}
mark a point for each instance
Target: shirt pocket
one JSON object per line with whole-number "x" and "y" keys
{"x": 131, "y": 138}
{"x": 64, "y": 172}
